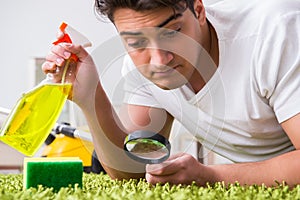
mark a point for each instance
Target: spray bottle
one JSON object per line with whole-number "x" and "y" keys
{"x": 36, "y": 112}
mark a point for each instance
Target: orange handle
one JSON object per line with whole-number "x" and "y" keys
{"x": 66, "y": 38}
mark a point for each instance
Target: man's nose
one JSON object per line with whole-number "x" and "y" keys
{"x": 160, "y": 56}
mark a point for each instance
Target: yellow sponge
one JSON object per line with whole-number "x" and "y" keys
{"x": 55, "y": 172}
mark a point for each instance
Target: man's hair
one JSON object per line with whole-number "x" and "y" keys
{"x": 106, "y": 8}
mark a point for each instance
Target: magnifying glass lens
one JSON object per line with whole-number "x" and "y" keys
{"x": 147, "y": 147}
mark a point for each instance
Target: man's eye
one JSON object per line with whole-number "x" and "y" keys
{"x": 171, "y": 34}
{"x": 137, "y": 43}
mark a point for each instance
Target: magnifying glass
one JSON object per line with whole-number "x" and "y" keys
{"x": 147, "y": 147}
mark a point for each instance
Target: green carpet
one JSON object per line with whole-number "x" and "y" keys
{"x": 100, "y": 186}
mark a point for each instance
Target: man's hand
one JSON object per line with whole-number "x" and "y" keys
{"x": 84, "y": 75}
{"x": 178, "y": 169}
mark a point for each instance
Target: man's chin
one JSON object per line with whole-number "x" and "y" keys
{"x": 169, "y": 86}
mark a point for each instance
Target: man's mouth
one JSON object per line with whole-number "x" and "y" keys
{"x": 167, "y": 72}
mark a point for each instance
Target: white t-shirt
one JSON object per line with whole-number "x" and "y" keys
{"x": 256, "y": 86}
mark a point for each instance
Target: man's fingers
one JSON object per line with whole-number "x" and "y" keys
{"x": 78, "y": 50}
{"x": 175, "y": 156}
{"x": 61, "y": 51}
{"x": 163, "y": 167}
{"x": 166, "y": 168}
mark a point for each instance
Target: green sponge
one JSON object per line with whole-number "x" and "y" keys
{"x": 52, "y": 172}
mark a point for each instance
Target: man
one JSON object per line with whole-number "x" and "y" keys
{"x": 242, "y": 104}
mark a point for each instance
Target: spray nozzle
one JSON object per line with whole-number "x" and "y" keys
{"x": 74, "y": 37}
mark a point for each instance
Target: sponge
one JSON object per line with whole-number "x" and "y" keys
{"x": 55, "y": 172}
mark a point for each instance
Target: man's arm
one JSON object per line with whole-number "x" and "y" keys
{"x": 281, "y": 168}
{"x": 185, "y": 169}
{"x": 109, "y": 132}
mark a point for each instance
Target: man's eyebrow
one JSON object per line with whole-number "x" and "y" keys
{"x": 130, "y": 33}
{"x": 173, "y": 17}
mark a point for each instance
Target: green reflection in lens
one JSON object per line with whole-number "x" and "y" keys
{"x": 147, "y": 148}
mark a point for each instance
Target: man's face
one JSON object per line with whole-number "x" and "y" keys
{"x": 163, "y": 46}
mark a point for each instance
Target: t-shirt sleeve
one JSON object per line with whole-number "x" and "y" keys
{"x": 136, "y": 87}
{"x": 278, "y": 74}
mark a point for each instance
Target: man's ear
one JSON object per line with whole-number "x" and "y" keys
{"x": 199, "y": 11}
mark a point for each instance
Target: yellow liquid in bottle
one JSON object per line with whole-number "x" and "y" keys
{"x": 33, "y": 117}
